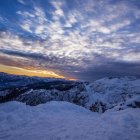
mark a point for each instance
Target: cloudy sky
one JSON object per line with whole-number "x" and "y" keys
{"x": 82, "y": 39}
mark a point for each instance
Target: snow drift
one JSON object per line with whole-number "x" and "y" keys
{"x": 65, "y": 121}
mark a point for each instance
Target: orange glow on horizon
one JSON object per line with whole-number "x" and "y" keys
{"x": 29, "y": 72}
{"x": 71, "y": 79}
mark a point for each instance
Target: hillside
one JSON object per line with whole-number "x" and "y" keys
{"x": 99, "y": 96}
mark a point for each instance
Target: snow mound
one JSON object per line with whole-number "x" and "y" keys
{"x": 66, "y": 121}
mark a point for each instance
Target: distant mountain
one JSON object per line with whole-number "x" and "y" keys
{"x": 100, "y": 96}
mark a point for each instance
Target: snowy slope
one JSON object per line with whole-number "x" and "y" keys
{"x": 114, "y": 93}
{"x": 99, "y": 96}
{"x": 66, "y": 121}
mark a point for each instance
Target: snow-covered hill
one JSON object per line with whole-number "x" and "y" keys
{"x": 99, "y": 96}
{"x": 116, "y": 93}
{"x": 66, "y": 121}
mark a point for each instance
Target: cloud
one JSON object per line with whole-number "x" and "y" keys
{"x": 26, "y": 26}
{"x": 75, "y": 36}
{"x": 21, "y": 1}
{"x": 109, "y": 70}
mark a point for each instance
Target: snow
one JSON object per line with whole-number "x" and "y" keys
{"x": 57, "y": 120}
{"x": 112, "y": 92}
{"x": 99, "y": 96}
{"x": 56, "y": 109}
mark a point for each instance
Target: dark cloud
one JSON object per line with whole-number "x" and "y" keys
{"x": 52, "y": 60}
{"x": 114, "y": 69}
{"x": 23, "y": 54}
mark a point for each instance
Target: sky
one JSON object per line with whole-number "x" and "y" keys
{"x": 80, "y": 39}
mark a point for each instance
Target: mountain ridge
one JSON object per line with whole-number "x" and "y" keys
{"x": 99, "y": 96}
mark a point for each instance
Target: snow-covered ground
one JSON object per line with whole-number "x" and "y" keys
{"x": 57, "y": 109}
{"x": 65, "y": 121}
